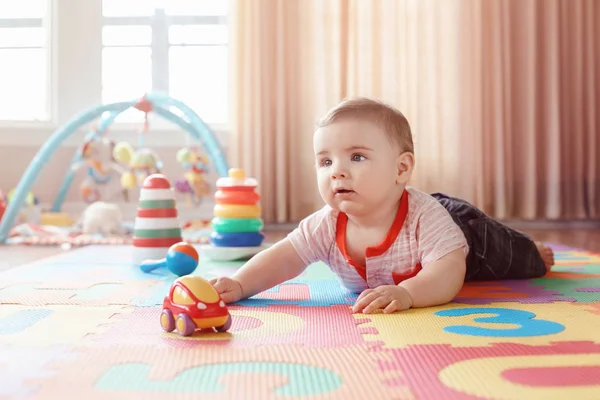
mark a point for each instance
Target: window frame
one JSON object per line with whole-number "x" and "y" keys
{"x": 46, "y": 21}
{"x": 160, "y": 47}
{"x": 160, "y": 24}
{"x": 78, "y": 58}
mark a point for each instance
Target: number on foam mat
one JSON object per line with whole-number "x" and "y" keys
{"x": 527, "y": 324}
{"x": 303, "y": 380}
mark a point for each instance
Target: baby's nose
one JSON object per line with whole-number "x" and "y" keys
{"x": 338, "y": 175}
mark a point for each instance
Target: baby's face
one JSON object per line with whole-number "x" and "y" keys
{"x": 356, "y": 165}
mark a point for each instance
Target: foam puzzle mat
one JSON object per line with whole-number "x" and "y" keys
{"x": 85, "y": 325}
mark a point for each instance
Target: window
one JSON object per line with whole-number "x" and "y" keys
{"x": 177, "y": 47}
{"x": 24, "y": 60}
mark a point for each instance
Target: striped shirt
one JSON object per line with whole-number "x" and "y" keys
{"x": 423, "y": 232}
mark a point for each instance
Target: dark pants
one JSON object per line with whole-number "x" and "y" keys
{"x": 496, "y": 251}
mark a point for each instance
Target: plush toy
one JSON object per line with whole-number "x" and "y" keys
{"x": 102, "y": 218}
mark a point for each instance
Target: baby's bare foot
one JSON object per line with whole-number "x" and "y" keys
{"x": 547, "y": 255}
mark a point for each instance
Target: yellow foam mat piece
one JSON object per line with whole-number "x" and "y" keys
{"x": 461, "y": 325}
{"x": 52, "y": 325}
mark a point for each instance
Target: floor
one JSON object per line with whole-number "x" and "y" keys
{"x": 588, "y": 239}
{"x": 12, "y": 256}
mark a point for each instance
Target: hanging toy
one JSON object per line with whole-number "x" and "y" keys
{"x": 194, "y": 183}
{"x": 123, "y": 153}
{"x": 96, "y": 156}
{"x": 139, "y": 164}
{"x": 144, "y": 163}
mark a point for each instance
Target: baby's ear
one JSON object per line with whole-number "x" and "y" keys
{"x": 405, "y": 165}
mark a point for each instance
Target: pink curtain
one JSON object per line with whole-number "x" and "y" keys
{"x": 502, "y": 96}
{"x": 532, "y": 84}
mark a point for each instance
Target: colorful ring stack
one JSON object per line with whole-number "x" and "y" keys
{"x": 157, "y": 225}
{"x": 237, "y": 221}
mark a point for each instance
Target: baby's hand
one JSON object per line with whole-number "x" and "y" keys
{"x": 389, "y": 297}
{"x": 229, "y": 289}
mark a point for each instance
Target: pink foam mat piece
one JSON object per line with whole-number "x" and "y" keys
{"x": 265, "y": 326}
{"x": 422, "y": 366}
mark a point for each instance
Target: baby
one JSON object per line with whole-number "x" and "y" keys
{"x": 395, "y": 245}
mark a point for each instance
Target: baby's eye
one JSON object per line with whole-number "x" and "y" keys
{"x": 326, "y": 162}
{"x": 358, "y": 157}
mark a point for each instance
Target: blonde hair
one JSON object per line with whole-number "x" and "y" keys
{"x": 393, "y": 122}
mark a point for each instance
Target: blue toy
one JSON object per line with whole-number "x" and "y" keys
{"x": 168, "y": 108}
{"x": 236, "y": 239}
{"x": 181, "y": 259}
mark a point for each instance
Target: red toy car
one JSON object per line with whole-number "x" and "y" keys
{"x": 193, "y": 304}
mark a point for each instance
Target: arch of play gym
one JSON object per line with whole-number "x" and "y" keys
{"x": 163, "y": 105}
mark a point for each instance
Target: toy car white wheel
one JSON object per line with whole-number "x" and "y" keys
{"x": 166, "y": 321}
{"x": 225, "y": 327}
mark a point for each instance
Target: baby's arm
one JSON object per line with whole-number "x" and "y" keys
{"x": 442, "y": 250}
{"x": 435, "y": 285}
{"x": 284, "y": 261}
{"x": 269, "y": 268}
{"x": 439, "y": 283}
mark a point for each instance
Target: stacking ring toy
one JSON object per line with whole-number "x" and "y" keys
{"x": 227, "y": 225}
{"x": 243, "y": 239}
{"x": 241, "y": 196}
{"x": 236, "y": 211}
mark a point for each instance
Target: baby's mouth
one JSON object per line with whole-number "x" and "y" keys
{"x": 343, "y": 191}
